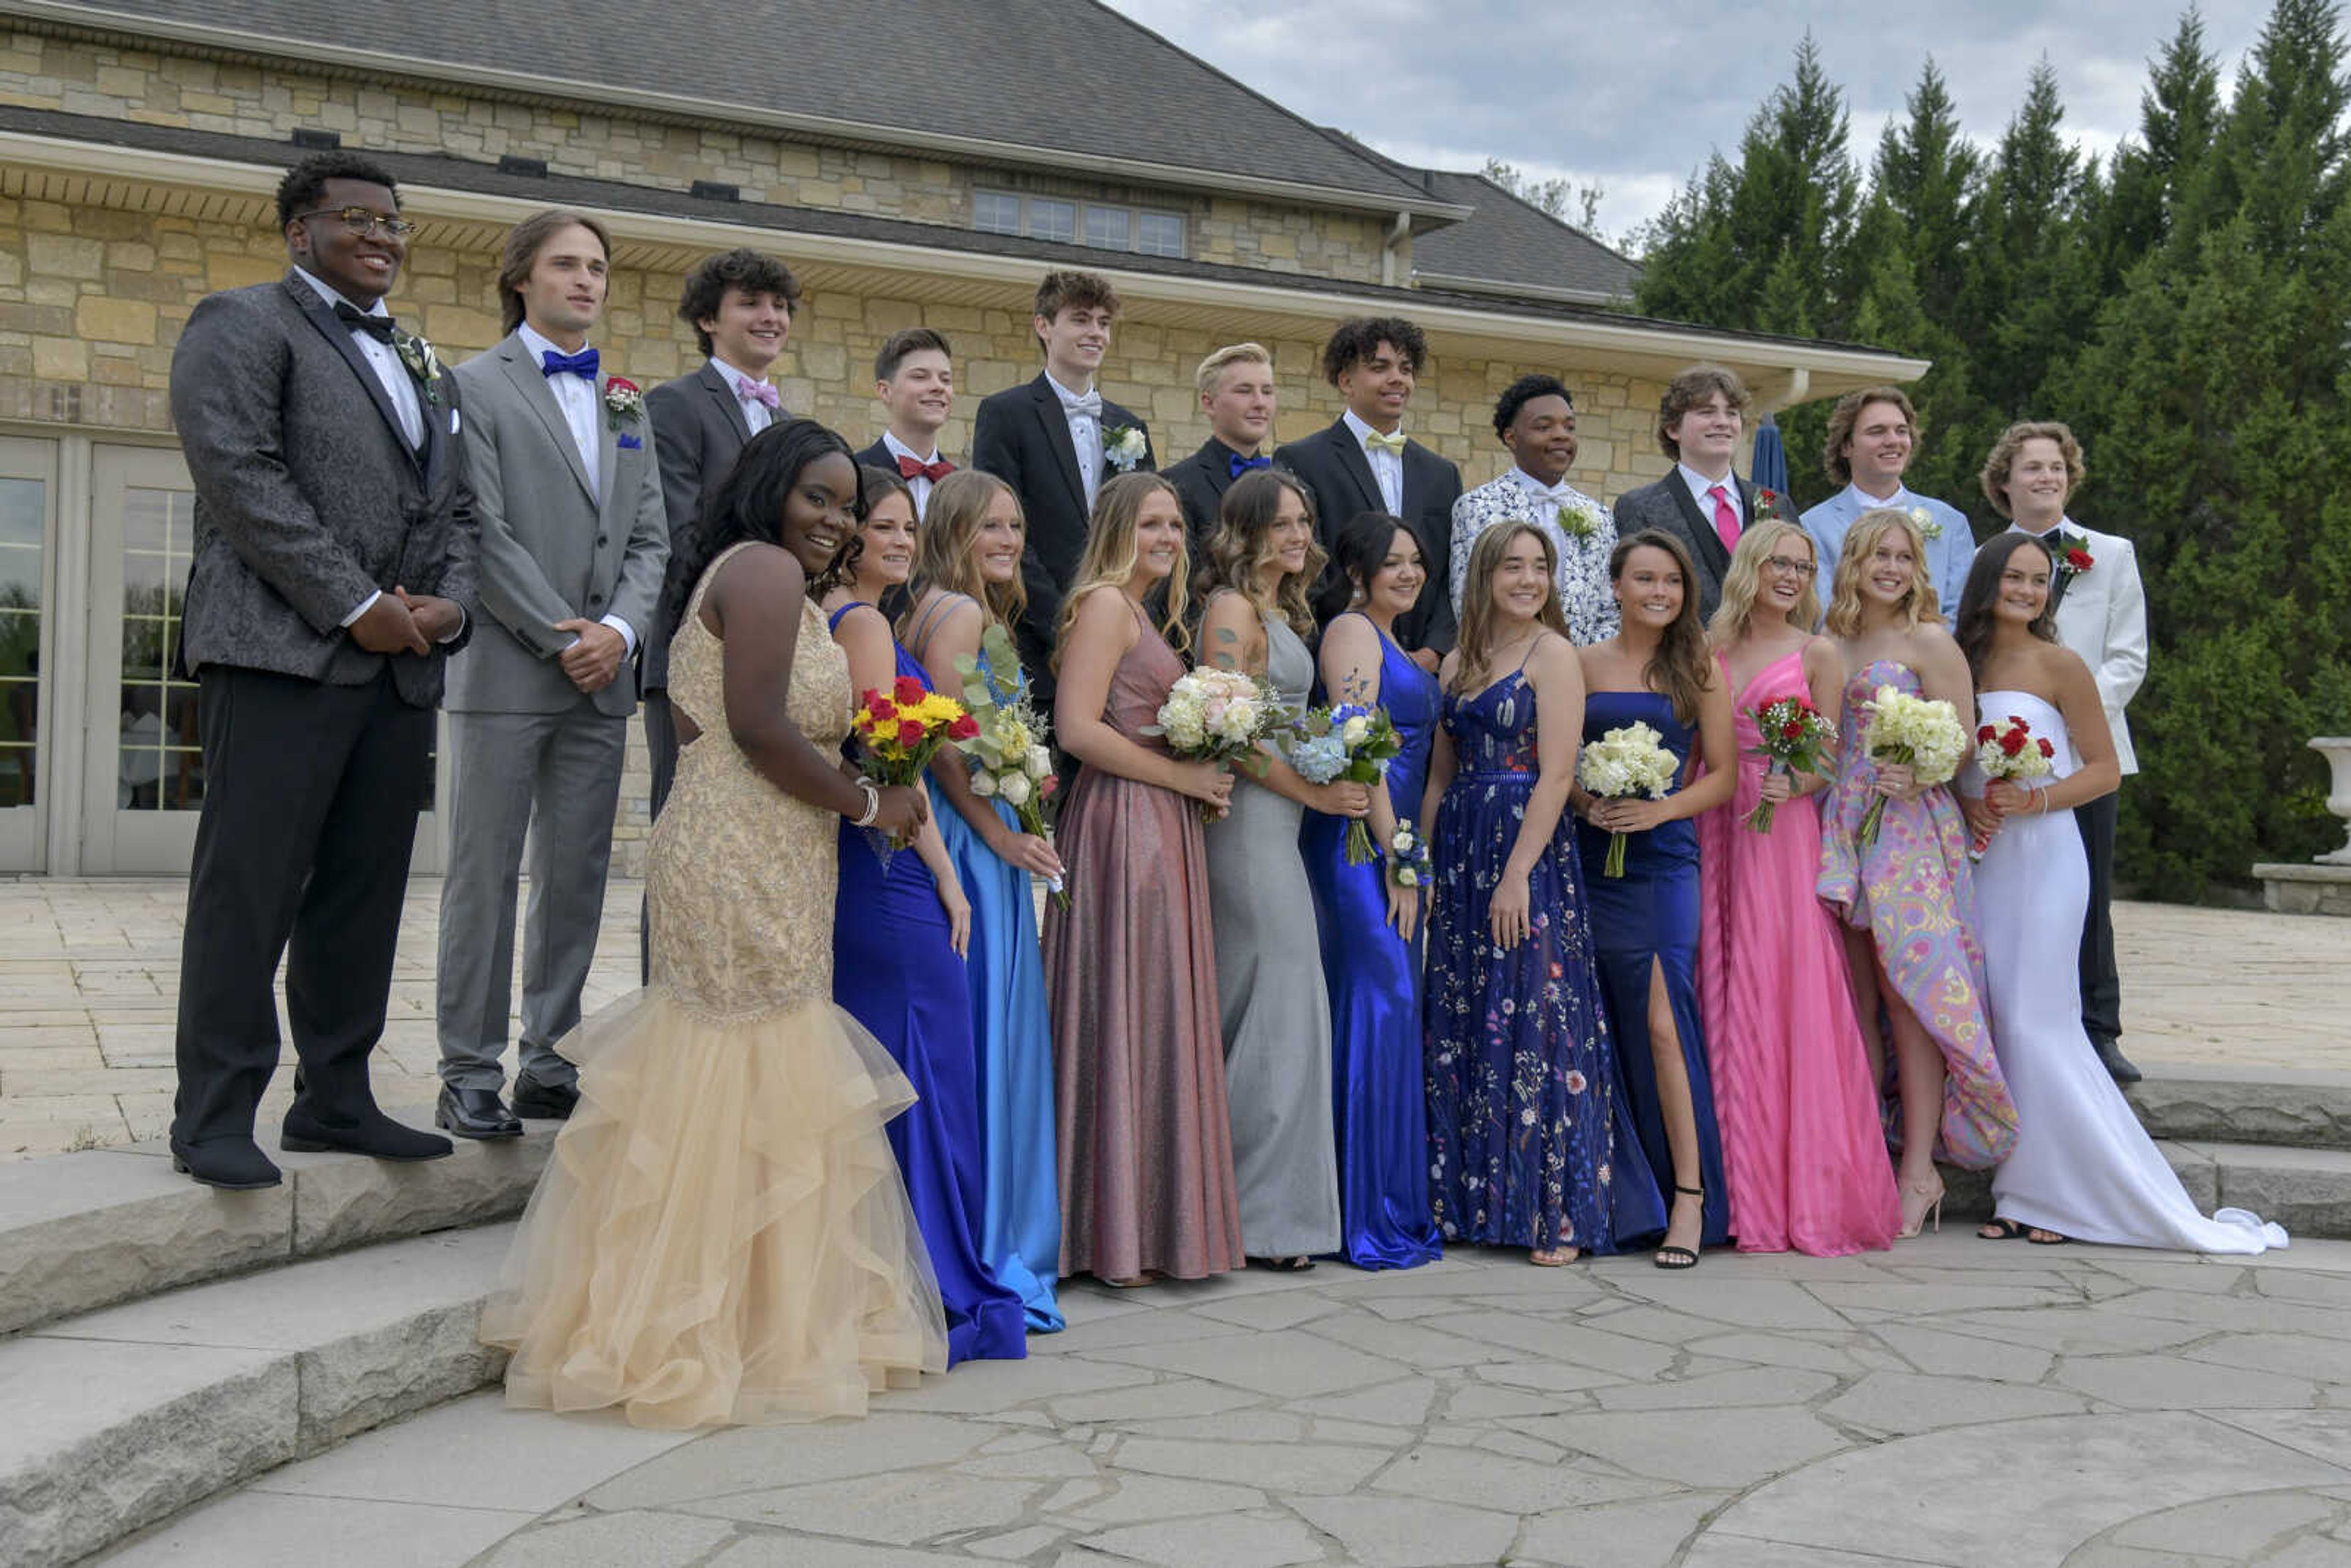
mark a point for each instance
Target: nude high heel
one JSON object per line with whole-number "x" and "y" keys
{"x": 1930, "y": 1205}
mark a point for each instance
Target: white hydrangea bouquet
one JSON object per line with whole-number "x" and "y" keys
{"x": 1219, "y": 715}
{"x": 1922, "y": 734}
{"x": 1623, "y": 763}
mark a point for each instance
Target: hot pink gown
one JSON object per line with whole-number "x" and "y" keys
{"x": 1803, "y": 1148}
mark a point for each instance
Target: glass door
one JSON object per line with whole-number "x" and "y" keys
{"x": 27, "y": 506}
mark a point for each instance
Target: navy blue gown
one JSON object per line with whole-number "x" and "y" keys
{"x": 894, "y": 968}
{"x": 1526, "y": 1122}
{"x": 1649, "y": 916}
{"x": 1373, "y": 977}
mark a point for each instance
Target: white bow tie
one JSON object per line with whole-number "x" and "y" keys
{"x": 1090, "y": 404}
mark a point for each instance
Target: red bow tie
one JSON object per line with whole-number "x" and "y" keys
{"x": 915, "y": 468}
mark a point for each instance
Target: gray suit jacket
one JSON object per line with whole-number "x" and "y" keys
{"x": 1668, "y": 506}
{"x": 550, "y": 550}
{"x": 309, "y": 497}
{"x": 699, "y": 431}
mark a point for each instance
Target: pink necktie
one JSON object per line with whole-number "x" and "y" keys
{"x": 1726, "y": 517}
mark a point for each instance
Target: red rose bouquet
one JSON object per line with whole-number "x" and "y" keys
{"x": 1796, "y": 737}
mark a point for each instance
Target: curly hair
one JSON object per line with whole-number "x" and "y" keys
{"x": 1691, "y": 387}
{"x": 752, "y": 271}
{"x": 1524, "y": 391}
{"x": 1359, "y": 339}
{"x": 1237, "y": 548}
{"x": 1919, "y": 605}
{"x": 1996, "y": 470}
{"x": 1060, "y": 291}
{"x": 1683, "y": 665}
{"x": 305, "y": 184}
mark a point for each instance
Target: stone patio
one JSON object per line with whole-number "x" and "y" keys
{"x": 1955, "y": 1402}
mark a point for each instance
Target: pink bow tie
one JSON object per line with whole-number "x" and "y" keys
{"x": 759, "y": 391}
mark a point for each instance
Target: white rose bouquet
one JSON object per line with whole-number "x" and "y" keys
{"x": 1217, "y": 715}
{"x": 1922, "y": 734}
{"x": 1623, "y": 763}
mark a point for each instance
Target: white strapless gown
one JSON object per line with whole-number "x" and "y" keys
{"x": 2082, "y": 1166}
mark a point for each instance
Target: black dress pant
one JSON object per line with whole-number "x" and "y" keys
{"x": 311, "y": 794}
{"x": 2102, "y": 985}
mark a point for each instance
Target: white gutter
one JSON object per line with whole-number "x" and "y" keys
{"x": 374, "y": 65}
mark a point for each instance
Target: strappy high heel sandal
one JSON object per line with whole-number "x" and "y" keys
{"x": 1677, "y": 1258}
{"x": 1931, "y": 1203}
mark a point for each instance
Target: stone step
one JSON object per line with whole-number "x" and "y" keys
{"x": 121, "y": 1417}
{"x": 2308, "y": 1191}
{"x": 2301, "y": 1108}
{"x": 85, "y": 1230}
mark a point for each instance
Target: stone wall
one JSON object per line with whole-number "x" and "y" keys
{"x": 82, "y": 77}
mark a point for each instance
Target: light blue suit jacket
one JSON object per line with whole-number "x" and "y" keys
{"x": 1948, "y": 556}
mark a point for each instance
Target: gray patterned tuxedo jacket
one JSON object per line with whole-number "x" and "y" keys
{"x": 309, "y": 497}
{"x": 551, "y": 550}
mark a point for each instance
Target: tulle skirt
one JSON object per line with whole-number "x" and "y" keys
{"x": 721, "y": 1236}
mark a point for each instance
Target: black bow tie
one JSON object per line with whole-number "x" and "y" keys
{"x": 358, "y": 321}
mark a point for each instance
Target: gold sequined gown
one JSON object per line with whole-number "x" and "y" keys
{"x": 721, "y": 1235}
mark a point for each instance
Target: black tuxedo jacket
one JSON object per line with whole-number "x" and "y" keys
{"x": 698, "y": 432}
{"x": 1332, "y": 463}
{"x": 878, "y": 455}
{"x": 1201, "y": 481}
{"x": 1023, "y": 438}
{"x": 1668, "y": 506}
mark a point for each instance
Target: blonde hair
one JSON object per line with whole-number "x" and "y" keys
{"x": 1111, "y": 555}
{"x": 944, "y": 553}
{"x": 1745, "y": 579}
{"x": 1474, "y": 641}
{"x": 1995, "y": 475}
{"x": 1240, "y": 546}
{"x": 1204, "y": 379}
{"x": 1918, "y": 602}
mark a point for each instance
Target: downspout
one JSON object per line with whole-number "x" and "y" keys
{"x": 1399, "y": 232}
{"x": 1800, "y": 383}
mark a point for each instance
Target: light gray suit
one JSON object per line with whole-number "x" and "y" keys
{"x": 530, "y": 750}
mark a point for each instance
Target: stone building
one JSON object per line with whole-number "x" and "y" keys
{"x": 915, "y": 161}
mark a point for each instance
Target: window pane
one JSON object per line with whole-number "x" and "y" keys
{"x": 1160, "y": 233}
{"x": 994, "y": 212}
{"x": 1052, "y": 220}
{"x": 24, "y": 504}
{"x": 1107, "y": 227}
{"x": 159, "y": 764}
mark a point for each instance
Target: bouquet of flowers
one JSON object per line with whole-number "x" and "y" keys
{"x": 899, "y": 731}
{"x": 1623, "y": 763}
{"x": 1009, "y": 758}
{"x": 1216, "y": 715}
{"x": 1796, "y": 737}
{"x": 1920, "y": 733}
{"x": 1350, "y": 742}
{"x": 2012, "y": 751}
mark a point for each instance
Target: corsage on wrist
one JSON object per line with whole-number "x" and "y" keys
{"x": 1407, "y": 857}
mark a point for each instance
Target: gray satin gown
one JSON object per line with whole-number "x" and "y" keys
{"x": 1277, "y": 1011}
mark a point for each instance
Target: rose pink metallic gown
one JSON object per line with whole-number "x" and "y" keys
{"x": 1146, "y": 1147}
{"x": 1802, "y": 1147}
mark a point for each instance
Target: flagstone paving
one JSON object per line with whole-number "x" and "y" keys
{"x": 1953, "y": 1402}
{"x": 90, "y": 971}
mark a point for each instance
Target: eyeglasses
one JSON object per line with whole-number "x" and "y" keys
{"x": 1789, "y": 566}
{"x": 363, "y": 222}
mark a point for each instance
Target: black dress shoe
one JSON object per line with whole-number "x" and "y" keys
{"x": 232, "y": 1165}
{"x": 543, "y": 1102}
{"x": 475, "y": 1113}
{"x": 374, "y": 1135}
{"x": 2117, "y": 1065}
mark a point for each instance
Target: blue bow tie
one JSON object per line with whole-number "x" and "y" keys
{"x": 1240, "y": 464}
{"x": 582, "y": 364}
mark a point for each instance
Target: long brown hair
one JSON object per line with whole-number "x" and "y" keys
{"x": 1475, "y": 640}
{"x": 1238, "y": 547}
{"x": 1918, "y": 605}
{"x": 1972, "y": 624}
{"x": 525, "y": 241}
{"x": 1682, "y": 667}
{"x": 946, "y": 556}
{"x": 1111, "y": 555}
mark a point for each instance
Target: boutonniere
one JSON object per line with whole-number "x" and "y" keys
{"x": 1123, "y": 448}
{"x": 2073, "y": 556}
{"x": 1924, "y": 521}
{"x": 417, "y": 354}
{"x": 1767, "y": 505}
{"x": 1577, "y": 522}
{"x": 621, "y": 400}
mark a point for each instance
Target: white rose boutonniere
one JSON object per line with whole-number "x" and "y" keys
{"x": 417, "y": 353}
{"x": 1123, "y": 448}
{"x": 1578, "y": 522}
{"x": 1924, "y": 521}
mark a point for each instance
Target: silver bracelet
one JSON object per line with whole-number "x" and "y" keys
{"x": 873, "y": 803}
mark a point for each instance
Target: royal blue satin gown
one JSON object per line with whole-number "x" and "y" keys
{"x": 1649, "y": 916}
{"x": 1020, "y": 1202}
{"x": 1373, "y": 976}
{"x": 894, "y": 970}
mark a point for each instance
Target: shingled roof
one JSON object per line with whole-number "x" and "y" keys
{"x": 1516, "y": 247}
{"x": 1067, "y": 78}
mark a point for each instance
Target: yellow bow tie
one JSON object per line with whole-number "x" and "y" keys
{"x": 1384, "y": 442}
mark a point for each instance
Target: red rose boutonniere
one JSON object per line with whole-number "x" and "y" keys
{"x": 2073, "y": 556}
{"x": 1767, "y": 505}
{"x": 622, "y": 400}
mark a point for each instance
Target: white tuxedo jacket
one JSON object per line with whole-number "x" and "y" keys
{"x": 2103, "y": 618}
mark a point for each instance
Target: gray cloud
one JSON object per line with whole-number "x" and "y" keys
{"x": 1636, "y": 99}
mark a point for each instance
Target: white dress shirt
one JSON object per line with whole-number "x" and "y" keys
{"x": 1701, "y": 489}
{"x": 1387, "y": 467}
{"x": 576, "y": 396}
{"x": 755, "y": 414}
{"x": 1085, "y": 434}
{"x": 398, "y": 385}
{"x": 918, "y": 485}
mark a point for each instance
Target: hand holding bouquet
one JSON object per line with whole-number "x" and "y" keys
{"x": 1622, "y": 764}
{"x": 2010, "y": 752}
{"x": 1796, "y": 737}
{"x": 899, "y": 731}
{"x": 1348, "y": 743}
{"x": 1216, "y": 715}
{"x": 1009, "y": 758}
{"x": 1921, "y": 733}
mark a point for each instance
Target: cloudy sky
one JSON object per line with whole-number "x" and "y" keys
{"x": 1636, "y": 100}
